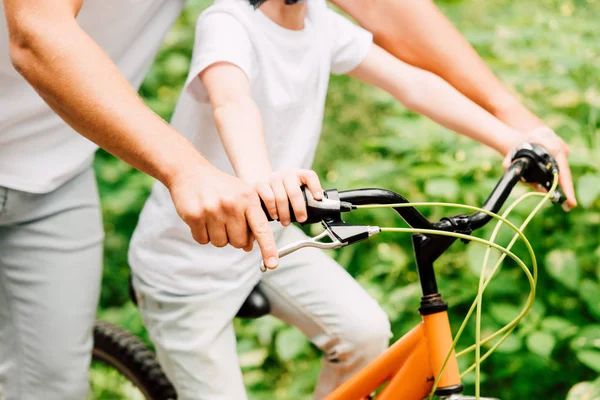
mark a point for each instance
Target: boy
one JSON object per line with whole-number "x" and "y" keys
{"x": 253, "y": 105}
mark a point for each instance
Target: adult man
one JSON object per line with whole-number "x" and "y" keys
{"x": 82, "y": 58}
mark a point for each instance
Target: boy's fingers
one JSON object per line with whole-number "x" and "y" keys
{"x": 292, "y": 187}
{"x": 281, "y": 199}
{"x": 266, "y": 194}
{"x": 311, "y": 179}
{"x": 257, "y": 221}
{"x": 565, "y": 179}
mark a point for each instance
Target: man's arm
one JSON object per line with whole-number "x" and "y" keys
{"x": 416, "y": 32}
{"x": 79, "y": 81}
{"x": 426, "y": 93}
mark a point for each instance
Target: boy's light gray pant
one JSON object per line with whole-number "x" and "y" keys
{"x": 195, "y": 340}
{"x": 50, "y": 271}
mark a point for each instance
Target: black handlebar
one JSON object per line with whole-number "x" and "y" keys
{"x": 382, "y": 196}
{"x": 530, "y": 163}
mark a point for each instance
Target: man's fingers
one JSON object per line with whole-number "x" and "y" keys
{"x": 237, "y": 231}
{"x": 311, "y": 179}
{"x": 565, "y": 179}
{"x": 292, "y": 187}
{"x": 250, "y": 245}
{"x": 506, "y": 162}
{"x": 200, "y": 233}
{"x": 264, "y": 237}
{"x": 217, "y": 233}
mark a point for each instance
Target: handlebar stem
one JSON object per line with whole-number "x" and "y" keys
{"x": 500, "y": 193}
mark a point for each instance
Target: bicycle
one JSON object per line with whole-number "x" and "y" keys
{"x": 423, "y": 363}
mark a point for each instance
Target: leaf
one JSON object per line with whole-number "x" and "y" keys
{"x": 588, "y": 338}
{"x": 541, "y": 343}
{"x": 290, "y": 343}
{"x": 475, "y": 255}
{"x": 563, "y": 267}
{"x": 559, "y": 327}
{"x": 254, "y": 358}
{"x": 504, "y": 312}
{"x": 590, "y": 358}
{"x": 512, "y": 344}
{"x": 585, "y": 391}
{"x": 588, "y": 189}
{"x": 589, "y": 291}
{"x": 566, "y": 99}
{"x": 266, "y": 328}
{"x": 442, "y": 188}
{"x": 592, "y": 96}
{"x": 177, "y": 64}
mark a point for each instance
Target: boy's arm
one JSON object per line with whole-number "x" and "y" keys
{"x": 239, "y": 124}
{"x": 82, "y": 85}
{"x": 437, "y": 46}
{"x": 238, "y": 120}
{"x": 428, "y": 94}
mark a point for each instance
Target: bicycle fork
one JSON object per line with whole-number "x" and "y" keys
{"x": 435, "y": 318}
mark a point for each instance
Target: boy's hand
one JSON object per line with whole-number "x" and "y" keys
{"x": 546, "y": 137}
{"x": 283, "y": 189}
{"x": 220, "y": 209}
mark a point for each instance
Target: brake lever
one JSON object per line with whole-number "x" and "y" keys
{"x": 340, "y": 234}
{"x": 311, "y": 242}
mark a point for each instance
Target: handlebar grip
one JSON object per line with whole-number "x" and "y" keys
{"x": 317, "y": 210}
{"x": 292, "y": 215}
{"x": 541, "y": 165}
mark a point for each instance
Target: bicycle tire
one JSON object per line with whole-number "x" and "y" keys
{"x": 119, "y": 349}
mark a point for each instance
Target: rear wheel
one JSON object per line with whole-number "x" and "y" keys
{"x": 124, "y": 368}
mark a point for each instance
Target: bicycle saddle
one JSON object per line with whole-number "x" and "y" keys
{"x": 256, "y": 304}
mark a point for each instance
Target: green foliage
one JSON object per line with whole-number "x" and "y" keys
{"x": 585, "y": 391}
{"x": 546, "y": 50}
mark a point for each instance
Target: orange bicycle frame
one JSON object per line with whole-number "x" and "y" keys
{"x": 410, "y": 365}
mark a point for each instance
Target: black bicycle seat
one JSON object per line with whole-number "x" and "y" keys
{"x": 255, "y": 306}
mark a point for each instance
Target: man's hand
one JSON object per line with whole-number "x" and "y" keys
{"x": 220, "y": 208}
{"x": 546, "y": 137}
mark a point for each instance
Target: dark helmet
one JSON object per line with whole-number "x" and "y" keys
{"x": 257, "y": 3}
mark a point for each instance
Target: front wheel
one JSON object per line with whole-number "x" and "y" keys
{"x": 124, "y": 368}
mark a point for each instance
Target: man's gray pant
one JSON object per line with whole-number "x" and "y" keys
{"x": 50, "y": 272}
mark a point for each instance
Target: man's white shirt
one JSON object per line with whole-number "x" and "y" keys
{"x": 38, "y": 150}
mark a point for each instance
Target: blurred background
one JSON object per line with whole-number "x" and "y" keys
{"x": 548, "y": 51}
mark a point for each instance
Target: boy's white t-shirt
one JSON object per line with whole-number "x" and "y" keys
{"x": 288, "y": 73}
